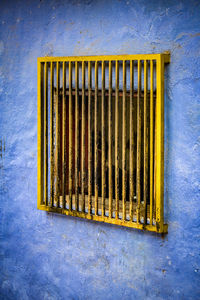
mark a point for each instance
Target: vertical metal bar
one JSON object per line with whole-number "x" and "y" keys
{"x": 103, "y": 140}
{"x": 83, "y": 139}
{"x": 131, "y": 178}
{"x": 52, "y": 167}
{"x": 46, "y": 134}
{"x": 110, "y": 139}
{"x": 138, "y": 179}
{"x": 40, "y": 134}
{"x": 89, "y": 138}
{"x": 57, "y": 136}
{"x": 117, "y": 138}
{"x": 76, "y": 136}
{"x": 160, "y": 144}
{"x": 64, "y": 144}
{"x": 151, "y": 140}
{"x": 96, "y": 139}
{"x": 70, "y": 137}
{"x": 124, "y": 144}
{"x": 145, "y": 182}
{"x": 154, "y": 145}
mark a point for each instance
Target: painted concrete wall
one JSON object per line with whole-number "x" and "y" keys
{"x": 55, "y": 257}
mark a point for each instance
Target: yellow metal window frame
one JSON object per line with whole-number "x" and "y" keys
{"x": 42, "y": 200}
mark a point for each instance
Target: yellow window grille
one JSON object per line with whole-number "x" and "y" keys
{"x": 101, "y": 138}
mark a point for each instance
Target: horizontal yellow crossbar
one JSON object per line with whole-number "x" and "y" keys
{"x": 165, "y": 57}
{"x": 103, "y": 219}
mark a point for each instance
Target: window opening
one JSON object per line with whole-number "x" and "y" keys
{"x": 101, "y": 138}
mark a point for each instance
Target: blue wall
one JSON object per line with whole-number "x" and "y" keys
{"x": 57, "y": 257}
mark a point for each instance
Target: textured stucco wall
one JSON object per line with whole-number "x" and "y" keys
{"x": 55, "y": 257}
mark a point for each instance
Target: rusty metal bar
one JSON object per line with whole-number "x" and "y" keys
{"x": 89, "y": 139}
{"x": 83, "y": 139}
{"x": 96, "y": 139}
{"x": 151, "y": 141}
{"x": 138, "y": 179}
{"x": 46, "y": 133}
{"x": 76, "y": 136}
{"x": 103, "y": 159}
{"x": 131, "y": 157}
{"x": 64, "y": 142}
{"x": 70, "y": 137}
{"x": 57, "y": 136}
{"x": 52, "y": 167}
{"x": 117, "y": 138}
{"x": 145, "y": 181}
{"x": 124, "y": 144}
{"x": 110, "y": 140}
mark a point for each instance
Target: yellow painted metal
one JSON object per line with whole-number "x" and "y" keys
{"x": 124, "y": 142}
{"x": 96, "y": 140}
{"x": 145, "y": 164}
{"x": 83, "y": 139}
{"x": 106, "y": 57}
{"x": 89, "y": 138}
{"x": 52, "y": 162}
{"x": 40, "y": 166}
{"x": 117, "y": 138}
{"x": 64, "y": 142}
{"x": 131, "y": 178}
{"x": 138, "y": 179}
{"x": 103, "y": 159}
{"x": 46, "y": 133}
{"x": 156, "y": 164}
{"x": 102, "y": 219}
{"x": 154, "y": 153}
{"x": 76, "y": 135}
{"x": 151, "y": 141}
{"x": 159, "y": 127}
{"x": 58, "y": 190}
{"x": 70, "y": 137}
{"x": 110, "y": 140}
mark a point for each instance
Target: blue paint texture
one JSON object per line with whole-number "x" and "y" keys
{"x": 46, "y": 256}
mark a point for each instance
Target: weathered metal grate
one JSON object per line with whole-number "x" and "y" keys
{"x": 101, "y": 138}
